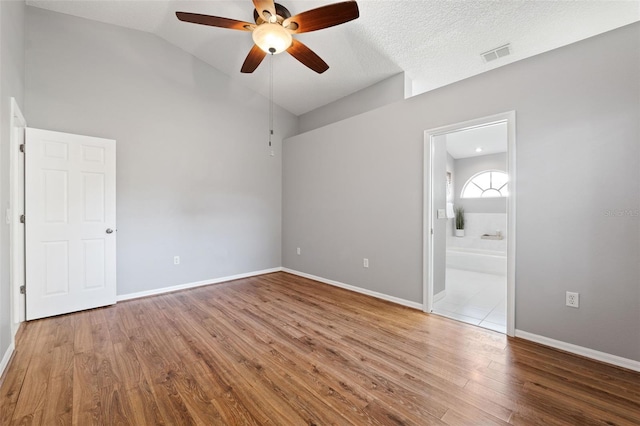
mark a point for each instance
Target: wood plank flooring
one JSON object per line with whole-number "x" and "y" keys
{"x": 283, "y": 350}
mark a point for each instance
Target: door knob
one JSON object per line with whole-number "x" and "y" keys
{"x": 109, "y": 231}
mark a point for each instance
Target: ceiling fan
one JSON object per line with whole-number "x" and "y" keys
{"x": 274, "y": 27}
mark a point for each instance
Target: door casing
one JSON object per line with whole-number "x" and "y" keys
{"x": 428, "y": 219}
{"x": 16, "y": 209}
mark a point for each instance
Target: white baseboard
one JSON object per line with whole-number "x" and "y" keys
{"x": 154, "y": 292}
{"x": 6, "y": 358}
{"x": 438, "y": 297}
{"x": 580, "y": 350}
{"x": 375, "y": 294}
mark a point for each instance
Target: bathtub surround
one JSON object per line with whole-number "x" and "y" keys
{"x": 478, "y": 260}
{"x": 477, "y": 224}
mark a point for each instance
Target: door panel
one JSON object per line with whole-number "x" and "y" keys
{"x": 70, "y": 204}
{"x": 94, "y": 254}
{"x": 56, "y": 267}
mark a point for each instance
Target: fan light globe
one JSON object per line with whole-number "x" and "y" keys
{"x": 272, "y": 36}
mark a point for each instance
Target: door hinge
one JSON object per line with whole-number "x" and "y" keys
{"x": 23, "y": 289}
{"x": 431, "y": 231}
{"x": 22, "y": 218}
{"x": 21, "y": 147}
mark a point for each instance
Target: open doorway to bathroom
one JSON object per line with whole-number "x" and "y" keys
{"x": 470, "y": 212}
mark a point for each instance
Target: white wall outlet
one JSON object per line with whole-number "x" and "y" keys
{"x": 176, "y": 260}
{"x": 365, "y": 262}
{"x": 273, "y": 153}
{"x": 573, "y": 299}
{"x": 298, "y": 251}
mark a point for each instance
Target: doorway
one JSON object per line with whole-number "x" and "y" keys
{"x": 469, "y": 213}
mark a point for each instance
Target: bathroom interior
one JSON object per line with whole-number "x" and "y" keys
{"x": 470, "y": 264}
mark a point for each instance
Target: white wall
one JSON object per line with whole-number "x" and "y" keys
{"x": 465, "y": 168}
{"x": 354, "y": 189}
{"x": 194, "y": 174}
{"x": 482, "y": 215}
{"x": 11, "y": 85}
{"x": 387, "y": 91}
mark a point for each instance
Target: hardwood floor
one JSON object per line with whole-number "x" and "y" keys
{"x": 283, "y": 350}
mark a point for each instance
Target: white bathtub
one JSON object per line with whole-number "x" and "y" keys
{"x": 485, "y": 261}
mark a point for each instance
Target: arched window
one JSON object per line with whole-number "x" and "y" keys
{"x": 487, "y": 184}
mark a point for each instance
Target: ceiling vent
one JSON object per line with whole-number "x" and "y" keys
{"x": 496, "y": 53}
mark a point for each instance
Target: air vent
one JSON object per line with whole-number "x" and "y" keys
{"x": 496, "y": 53}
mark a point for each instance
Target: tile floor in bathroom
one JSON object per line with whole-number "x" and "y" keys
{"x": 475, "y": 298}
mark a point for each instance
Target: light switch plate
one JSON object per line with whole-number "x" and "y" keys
{"x": 442, "y": 214}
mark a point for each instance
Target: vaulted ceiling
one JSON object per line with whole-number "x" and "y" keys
{"x": 435, "y": 42}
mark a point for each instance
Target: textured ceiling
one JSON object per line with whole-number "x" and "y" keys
{"x": 434, "y": 42}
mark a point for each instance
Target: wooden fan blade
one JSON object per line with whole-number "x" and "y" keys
{"x": 263, "y": 6}
{"x": 215, "y": 21}
{"x": 254, "y": 58}
{"x": 322, "y": 17}
{"x": 307, "y": 56}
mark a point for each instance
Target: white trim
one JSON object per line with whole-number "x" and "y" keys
{"x": 580, "y": 350}
{"x": 427, "y": 243}
{"x": 393, "y": 299}
{"x": 163, "y": 290}
{"x": 16, "y": 193}
{"x": 428, "y": 225}
{"x": 511, "y": 223}
{"x": 464, "y": 187}
{"x": 6, "y": 358}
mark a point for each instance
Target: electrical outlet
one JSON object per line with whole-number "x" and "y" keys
{"x": 298, "y": 251}
{"x": 365, "y": 262}
{"x": 176, "y": 260}
{"x": 573, "y": 299}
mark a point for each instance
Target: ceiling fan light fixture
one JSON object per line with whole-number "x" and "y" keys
{"x": 268, "y": 36}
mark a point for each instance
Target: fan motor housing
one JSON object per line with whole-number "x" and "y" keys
{"x": 282, "y": 13}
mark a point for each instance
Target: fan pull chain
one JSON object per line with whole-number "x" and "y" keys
{"x": 271, "y": 95}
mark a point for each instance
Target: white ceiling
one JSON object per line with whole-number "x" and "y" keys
{"x": 492, "y": 139}
{"x": 435, "y": 42}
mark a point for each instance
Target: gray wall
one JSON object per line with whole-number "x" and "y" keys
{"x": 465, "y": 168}
{"x": 11, "y": 85}
{"x": 390, "y": 90}
{"x": 194, "y": 174}
{"x": 354, "y": 189}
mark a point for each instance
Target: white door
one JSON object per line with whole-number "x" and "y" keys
{"x": 70, "y": 209}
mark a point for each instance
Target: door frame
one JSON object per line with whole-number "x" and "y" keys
{"x": 429, "y": 221}
{"x": 16, "y": 209}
